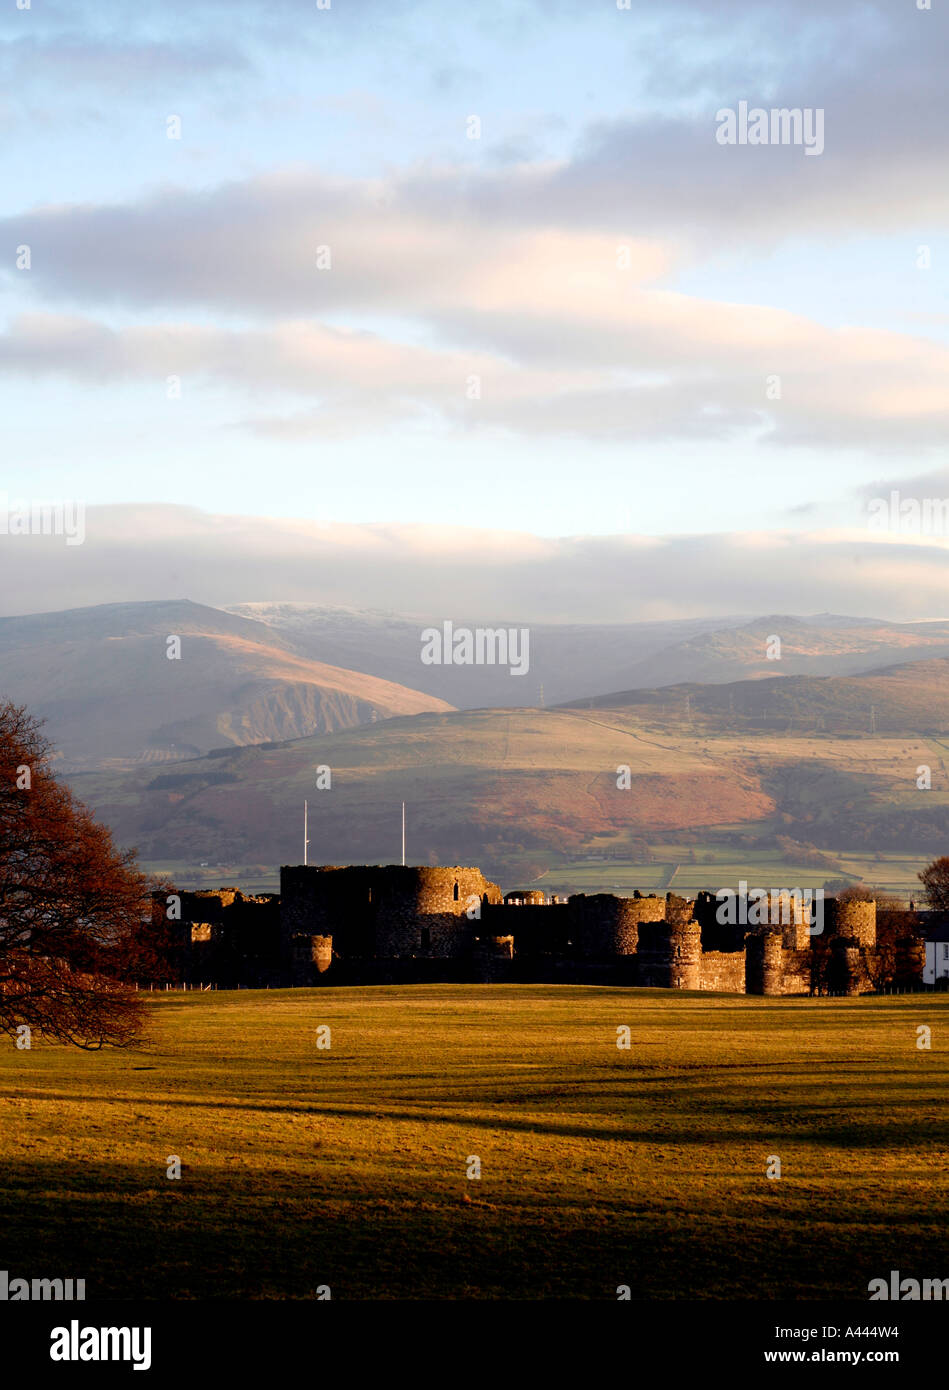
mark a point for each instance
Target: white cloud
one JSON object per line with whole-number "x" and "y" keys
{"x": 635, "y": 365}
{"x": 158, "y": 552}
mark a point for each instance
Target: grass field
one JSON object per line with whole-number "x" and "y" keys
{"x": 599, "y": 1167}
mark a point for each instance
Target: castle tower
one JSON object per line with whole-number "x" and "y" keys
{"x": 764, "y": 962}
{"x": 854, "y": 920}
{"x": 685, "y": 955}
{"x": 492, "y": 956}
{"x": 789, "y": 911}
{"x": 382, "y": 912}
{"x": 602, "y": 925}
{"x": 670, "y": 950}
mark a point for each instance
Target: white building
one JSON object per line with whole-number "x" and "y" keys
{"x": 937, "y": 955}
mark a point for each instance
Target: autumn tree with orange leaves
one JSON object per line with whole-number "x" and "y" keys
{"x": 74, "y": 910}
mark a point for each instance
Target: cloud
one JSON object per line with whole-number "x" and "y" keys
{"x": 637, "y": 366}
{"x": 82, "y": 59}
{"x": 512, "y": 274}
{"x": 157, "y": 552}
{"x": 921, "y": 486}
{"x": 296, "y": 242}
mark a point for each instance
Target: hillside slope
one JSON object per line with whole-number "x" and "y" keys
{"x": 480, "y": 784}
{"x": 913, "y": 697}
{"x": 111, "y": 697}
{"x": 578, "y": 660}
{"x": 823, "y": 646}
{"x": 504, "y": 787}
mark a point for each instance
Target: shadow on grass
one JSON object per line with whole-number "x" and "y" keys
{"x": 790, "y": 1104}
{"x": 131, "y": 1234}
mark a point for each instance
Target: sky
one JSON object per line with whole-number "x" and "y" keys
{"x": 414, "y": 275}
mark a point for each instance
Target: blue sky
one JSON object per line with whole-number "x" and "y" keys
{"x": 611, "y": 401}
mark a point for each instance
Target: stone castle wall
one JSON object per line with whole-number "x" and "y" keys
{"x": 380, "y": 912}
{"x": 723, "y": 971}
{"x": 342, "y": 923}
{"x": 229, "y": 938}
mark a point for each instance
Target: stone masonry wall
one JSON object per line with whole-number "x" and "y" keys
{"x": 723, "y": 971}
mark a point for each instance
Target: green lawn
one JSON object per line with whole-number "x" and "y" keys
{"x": 600, "y": 1167}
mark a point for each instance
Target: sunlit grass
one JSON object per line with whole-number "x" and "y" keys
{"x": 600, "y": 1166}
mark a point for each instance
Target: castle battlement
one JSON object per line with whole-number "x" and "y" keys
{"x": 362, "y": 923}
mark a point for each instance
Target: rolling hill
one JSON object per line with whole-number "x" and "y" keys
{"x": 507, "y": 789}
{"x": 573, "y": 661}
{"x": 111, "y": 697}
{"x": 566, "y": 660}
{"x": 913, "y": 697}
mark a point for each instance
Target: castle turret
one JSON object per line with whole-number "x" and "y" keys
{"x": 602, "y": 925}
{"x": 764, "y": 962}
{"x": 670, "y": 951}
{"x": 854, "y": 920}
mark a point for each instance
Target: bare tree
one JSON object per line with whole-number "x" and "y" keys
{"x": 935, "y": 881}
{"x": 70, "y": 904}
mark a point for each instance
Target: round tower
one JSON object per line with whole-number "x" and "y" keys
{"x": 764, "y": 962}
{"x": 604, "y": 925}
{"x": 854, "y": 920}
{"x": 427, "y": 911}
{"x": 685, "y": 953}
{"x": 670, "y": 952}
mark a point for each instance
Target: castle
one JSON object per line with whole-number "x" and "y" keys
{"x": 397, "y": 924}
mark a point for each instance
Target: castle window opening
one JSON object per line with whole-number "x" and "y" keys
{"x": 456, "y": 892}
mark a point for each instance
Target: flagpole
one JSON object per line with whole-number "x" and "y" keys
{"x": 305, "y": 837}
{"x": 403, "y": 834}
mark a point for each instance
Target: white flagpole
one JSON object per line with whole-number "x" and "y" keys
{"x": 403, "y": 834}
{"x": 305, "y": 837}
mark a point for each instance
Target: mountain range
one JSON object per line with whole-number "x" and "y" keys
{"x": 102, "y": 679}
{"x": 210, "y": 755}
{"x": 571, "y": 661}
{"x": 513, "y": 788}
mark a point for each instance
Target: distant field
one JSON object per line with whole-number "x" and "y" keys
{"x": 715, "y": 867}
{"x": 720, "y": 867}
{"x": 599, "y": 1167}
{"x": 248, "y": 879}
